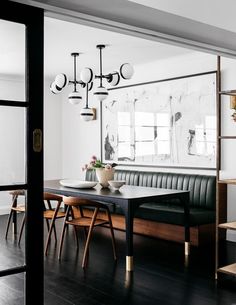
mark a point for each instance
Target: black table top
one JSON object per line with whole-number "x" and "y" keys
{"x": 126, "y": 192}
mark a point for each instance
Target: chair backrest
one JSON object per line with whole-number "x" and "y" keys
{"x": 49, "y": 196}
{"x": 77, "y": 201}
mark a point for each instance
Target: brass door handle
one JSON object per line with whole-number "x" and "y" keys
{"x": 37, "y": 140}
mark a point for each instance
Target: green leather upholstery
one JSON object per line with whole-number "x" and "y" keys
{"x": 202, "y": 188}
{"x": 202, "y": 195}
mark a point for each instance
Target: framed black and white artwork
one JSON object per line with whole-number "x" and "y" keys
{"x": 167, "y": 123}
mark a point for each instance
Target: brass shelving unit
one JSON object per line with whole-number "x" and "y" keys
{"x": 222, "y": 184}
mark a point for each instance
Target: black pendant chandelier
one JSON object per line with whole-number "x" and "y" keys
{"x": 87, "y": 78}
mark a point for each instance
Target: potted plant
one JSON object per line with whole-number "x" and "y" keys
{"x": 104, "y": 171}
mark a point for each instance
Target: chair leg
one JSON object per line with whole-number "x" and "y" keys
{"x": 75, "y": 229}
{"x": 47, "y": 223}
{"x": 21, "y": 229}
{"x": 8, "y": 223}
{"x": 84, "y": 262}
{"x": 112, "y": 235}
{"x": 63, "y": 233}
{"x": 55, "y": 231}
{"x": 49, "y": 236}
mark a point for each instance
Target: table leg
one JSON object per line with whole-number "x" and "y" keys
{"x": 185, "y": 200}
{"x": 129, "y": 219}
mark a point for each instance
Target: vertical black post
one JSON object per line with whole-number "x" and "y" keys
{"x": 34, "y": 214}
{"x": 129, "y": 222}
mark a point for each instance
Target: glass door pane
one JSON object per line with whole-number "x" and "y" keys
{"x": 12, "y": 61}
{"x": 12, "y": 158}
{"x": 12, "y": 139}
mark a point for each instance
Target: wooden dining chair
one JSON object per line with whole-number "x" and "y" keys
{"x": 87, "y": 222}
{"x": 50, "y": 214}
{"x": 15, "y": 208}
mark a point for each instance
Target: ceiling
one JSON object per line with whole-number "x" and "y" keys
{"x": 62, "y": 38}
{"x": 217, "y": 13}
{"x": 78, "y": 38}
{"x": 206, "y": 25}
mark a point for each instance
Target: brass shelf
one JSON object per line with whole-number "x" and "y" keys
{"x": 228, "y": 92}
{"x": 227, "y": 181}
{"x": 228, "y": 225}
{"x": 229, "y": 269}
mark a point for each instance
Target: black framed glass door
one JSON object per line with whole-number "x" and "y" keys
{"x": 21, "y": 138}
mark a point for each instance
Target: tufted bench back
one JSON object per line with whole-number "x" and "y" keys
{"x": 202, "y": 187}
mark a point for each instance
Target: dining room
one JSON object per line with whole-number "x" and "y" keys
{"x": 138, "y": 187}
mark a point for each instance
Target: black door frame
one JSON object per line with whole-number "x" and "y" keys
{"x": 33, "y": 19}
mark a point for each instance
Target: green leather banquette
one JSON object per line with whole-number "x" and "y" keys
{"x": 202, "y": 196}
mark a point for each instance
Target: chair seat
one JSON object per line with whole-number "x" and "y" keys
{"x": 86, "y": 221}
{"x": 19, "y": 208}
{"x": 50, "y": 213}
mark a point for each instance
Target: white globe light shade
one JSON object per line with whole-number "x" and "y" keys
{"x": 61, "y": 80}
{"x": 101, "y": 93}
{"x": 86, "y": 114}
{"x": 74, "y": 98}
{"x": 54, "y": 88}
{"x": 86, "y": 75}
{"x": 126, "y": 71}
{"x": 115, "y": 79}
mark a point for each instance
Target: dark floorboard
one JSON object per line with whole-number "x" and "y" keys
{"x": 162, "y": 276}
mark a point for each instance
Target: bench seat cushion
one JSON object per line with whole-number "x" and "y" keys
{"x": 172, "y": 214}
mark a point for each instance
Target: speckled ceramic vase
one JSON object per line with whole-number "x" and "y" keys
{"x": 104, "y": 175}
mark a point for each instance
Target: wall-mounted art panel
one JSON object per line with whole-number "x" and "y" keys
{"x": 162, "y": 123}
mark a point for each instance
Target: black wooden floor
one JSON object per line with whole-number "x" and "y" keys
{"x": 161, "y": 275}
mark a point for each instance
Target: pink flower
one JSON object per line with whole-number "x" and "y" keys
{"x": 94, "y": 158}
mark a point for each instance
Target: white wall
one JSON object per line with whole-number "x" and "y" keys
{"x": 52, "y": 134}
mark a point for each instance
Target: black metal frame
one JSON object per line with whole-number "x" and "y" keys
{"x": 148, "y": 83}
{"x": 33, "y": 19}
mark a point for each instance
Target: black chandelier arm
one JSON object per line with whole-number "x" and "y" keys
{"x": 77, "y": 82}
{"x": 86, "y": 105}
{"x": 107, "y": 76}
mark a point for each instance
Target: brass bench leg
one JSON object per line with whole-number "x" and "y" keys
{"x": 187, "y": 248}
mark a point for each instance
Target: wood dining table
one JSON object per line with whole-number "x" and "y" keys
{"x": 129, "y": 198}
